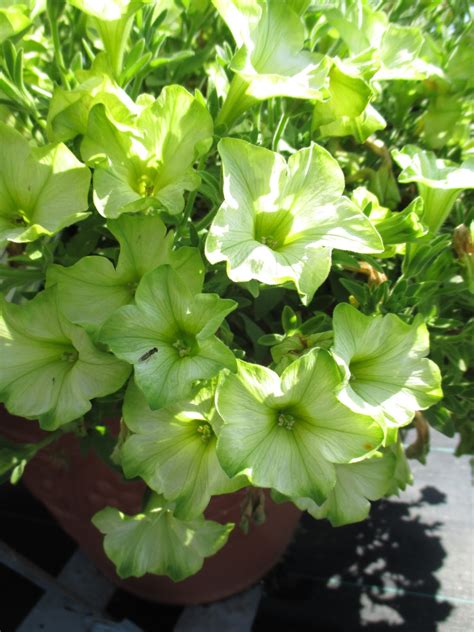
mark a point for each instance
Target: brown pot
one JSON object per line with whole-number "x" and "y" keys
{"x": 74, "y": 486}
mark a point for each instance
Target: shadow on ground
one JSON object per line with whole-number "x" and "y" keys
{"x": 377, "y": 575}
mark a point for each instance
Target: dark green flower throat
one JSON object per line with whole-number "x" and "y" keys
{"x": 272, "y": 229}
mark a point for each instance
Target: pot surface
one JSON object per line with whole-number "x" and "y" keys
{"x": 74, "y": 486}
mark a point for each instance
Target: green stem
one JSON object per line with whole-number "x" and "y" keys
{"x": 362, "y": 174}
{"x": 190, "y": 201}
{"x": 280, "y": 130}
{"x": 50, "y": 438}
{"x": 188, "y": 208}
{"x": 206, "y": 220}
{"x": 53, "y": 18}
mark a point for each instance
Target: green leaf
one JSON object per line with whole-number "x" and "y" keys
{"x": 158, "y": 542}
{"x": 286, "y": 433}
{"x": 42, "y": 189}
{"x": 49, "y": 368}
{"x": 169, "y": 337}
{"x": 386, "y": 371}
{"x": 92, "y": 289}
{"x": 147, "y": 163}
{"x": 279, "y": 222}
{"x": 174, "y": 450}
{"x": 289, "y": 319}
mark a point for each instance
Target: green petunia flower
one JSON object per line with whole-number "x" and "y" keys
{"x": 49, "y": 368}
{"x": 148, "y": 162}
{"x": 93, "y": 288}
{"x": 157, "y": 542}
{"x": 113, "y": 20}
{"x": 356, "y": 485}
{"x": 280, "y": 221}
{"x": 397, "y": 51}
{"x": 42, "y": 189}
{"x": 439, "y": 182}
{"x": 347, "y": 111}
{"x": 174, "y": 450}
{"x": 270, "y": 60}
{"x": 68, "y": 111}
{"x": 387, "y": 374}
{"x": 395, "y": 227}
{"x": 288, "y": 433}
{"x": 169, "y": 337}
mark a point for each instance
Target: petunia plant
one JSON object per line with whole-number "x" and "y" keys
{"x": 384, "y": 363}
{"x": 231, "y": 264}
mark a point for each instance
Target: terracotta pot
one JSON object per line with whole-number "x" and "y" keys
{"x": 74, "y": 486}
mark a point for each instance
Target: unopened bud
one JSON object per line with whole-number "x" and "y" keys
{"x": 463, "y": 240}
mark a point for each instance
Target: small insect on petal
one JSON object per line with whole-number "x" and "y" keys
{"x": 148, "y": 354}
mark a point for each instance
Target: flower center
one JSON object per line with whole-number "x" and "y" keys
{"x": 185, "y": 345}
{"x": 272, "y": 228}
{"x": 206, "y": 431}
{"x": 356, "y": 369}
{"x": 21, "y": 219}
{"x": 145, "y": 186}
{"x": 182, "y": 348}
{"x": 69, "y": 356}
{"x": 270, "y": 242}
{"x": 132, "y": 287}
{"x": 285, "y": 420}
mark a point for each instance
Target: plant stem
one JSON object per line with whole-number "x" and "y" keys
{"x": 379, "y": 148}
{"x": 280, "y": 130}
{"x": 362, "y": 174}
{"x": 190, "y": 201}
{"x": 50, "y": 438}
{"x": 206, "y": 220}
{"x": 53, "y": 18}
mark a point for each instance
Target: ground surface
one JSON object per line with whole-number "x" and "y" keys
{"x": 409, "y": 568}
